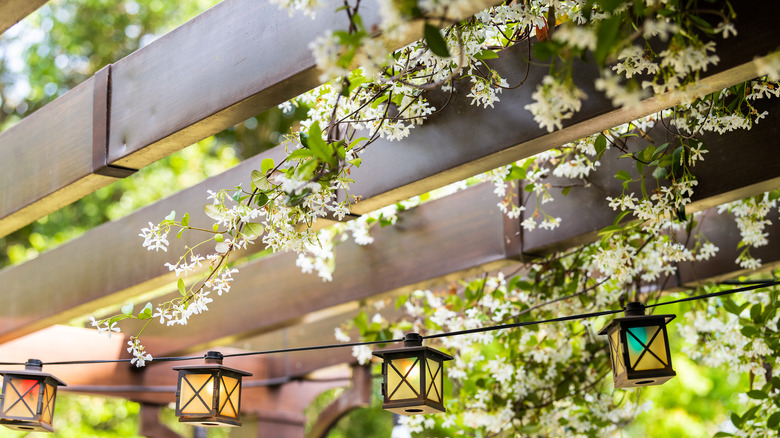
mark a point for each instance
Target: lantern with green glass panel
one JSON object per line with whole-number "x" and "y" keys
{"x": 210, "y": 394}
{"x": 639, "y": 348}
{"x": 28, "y": 398}
{"x": 413, "y": 378}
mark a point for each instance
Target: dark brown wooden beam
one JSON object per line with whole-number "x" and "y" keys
{"x": 464, "y": 140}
{"x": 13, "y": 11}
{"x": 388, "y": 174}
{"x": 81, "y": 289}
{"x": 213, "y": 72}
{"x": 730, "y": 171}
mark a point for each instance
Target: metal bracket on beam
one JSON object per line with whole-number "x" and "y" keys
{"x": 101, "y": 122}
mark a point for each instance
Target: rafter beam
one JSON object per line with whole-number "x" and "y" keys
{"x": 13, "y": 11}
{"x": 213, "y": 72}
{"x": 81, "y": 288}
{"x": 730, "y": 171}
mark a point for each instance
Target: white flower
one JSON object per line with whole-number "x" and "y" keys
{"x": 340, "y": 335}
{"x": 362, "y": 353}
{"x": 154, "y": 239}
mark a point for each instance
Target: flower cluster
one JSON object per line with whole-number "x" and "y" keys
{"x": 140, "y": 356}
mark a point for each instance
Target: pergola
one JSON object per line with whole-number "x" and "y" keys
{"x": 227, "y": 65}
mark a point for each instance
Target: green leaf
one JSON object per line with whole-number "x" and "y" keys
{"x": 261, "y": 199}
{"x": 486, "y": 54}
{"x": 660, "y": 172}
{"x": 609, "y": 5}
{"x": 562, "y": 389}
{"x": 731, "y": 306}
{"x": 186, "y": 219}
{"x": 756, "y": 394}
{"x": 321, "y": 150}
{"x": 774, "y": 421}
{"x": 146, "y": 313}
{"x": 722, "y": 434}
{"x": 620, "y": 216}
{"x": 259, "y": 180}
{"x": 435, "y": 41}
{"x": 253, "y": 230}
{"x": 181, "y": 287}
{"x": 623, "y": 175}
{"x": 608, "y": 38}
{"x": 755, "y": 313}
{"x": 737, "y": 420}
{"x": 361, "y": 322}
{"x": 178, "y": 235}
{"x": 300, "y": 154}
{"x": 516, "y": 172}
{"x": 610, "y": 229}
{"x": 127, "y": 309}
{"x": 213, "y": 211}
{"x": 566, "y": 190}
{"x": 751, "y": 413}
{"x": 544, "y": 51}
{"x": 171, "y": 216}
{"x": 749, "y": 331}
{"x": 266, "y": 165}
{"x": 600, "y": 144}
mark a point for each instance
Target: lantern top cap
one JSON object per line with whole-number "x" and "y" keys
{"x": 632, "y": 317}
{"x": 213, "y": 361}
{"x": 32, "y": 369}
{"x": 412, "y": 344}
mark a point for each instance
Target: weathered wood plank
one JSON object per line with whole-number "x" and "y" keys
{"x": 205, "y": 91}
{"x": 80, "y": 288}
{"x": 49, "y": 152}
{"x": 464, "y": 140}
{"x": 728, "y": 173}
{"x": 211, "y": 73}
{"x": 13, "y": 11}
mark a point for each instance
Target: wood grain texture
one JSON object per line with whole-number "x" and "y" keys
{"x": 729, "y": 172}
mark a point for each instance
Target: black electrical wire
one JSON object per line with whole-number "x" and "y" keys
{"x": 753, "y": 286}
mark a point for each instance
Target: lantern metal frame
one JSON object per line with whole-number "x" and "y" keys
{"x": 425, "y": 393}
{"x": 214, "y": 414}
{"x": 43, "y": 395}
{"x": 620, "y": 336}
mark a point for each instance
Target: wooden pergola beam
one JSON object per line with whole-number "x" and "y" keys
{"x": 80, "y": 288}
{"x": 13, "y": 11}
{"x": 446, "y": 238}
{"x": 729, "y": 172}
{"x": 211, "y": 73}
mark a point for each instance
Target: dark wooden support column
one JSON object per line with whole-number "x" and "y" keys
{"x": 357, "y": 396}
{"x": 151, "y": 427}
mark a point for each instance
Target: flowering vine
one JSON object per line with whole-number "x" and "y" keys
{"x": 547, "y": 380}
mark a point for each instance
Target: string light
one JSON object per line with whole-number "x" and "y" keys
{"x": 430, "y": 364}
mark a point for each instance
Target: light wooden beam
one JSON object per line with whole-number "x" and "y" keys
{"x": 13, "y": 11}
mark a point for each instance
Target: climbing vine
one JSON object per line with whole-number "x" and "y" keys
{"x": 548, "y": 380}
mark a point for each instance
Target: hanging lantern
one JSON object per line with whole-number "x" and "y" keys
{"x": 28, "y": 398}
{"x": 413, "y": 378}
{"x": 639, "y": 348}
{"x": 210, "y": 394}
